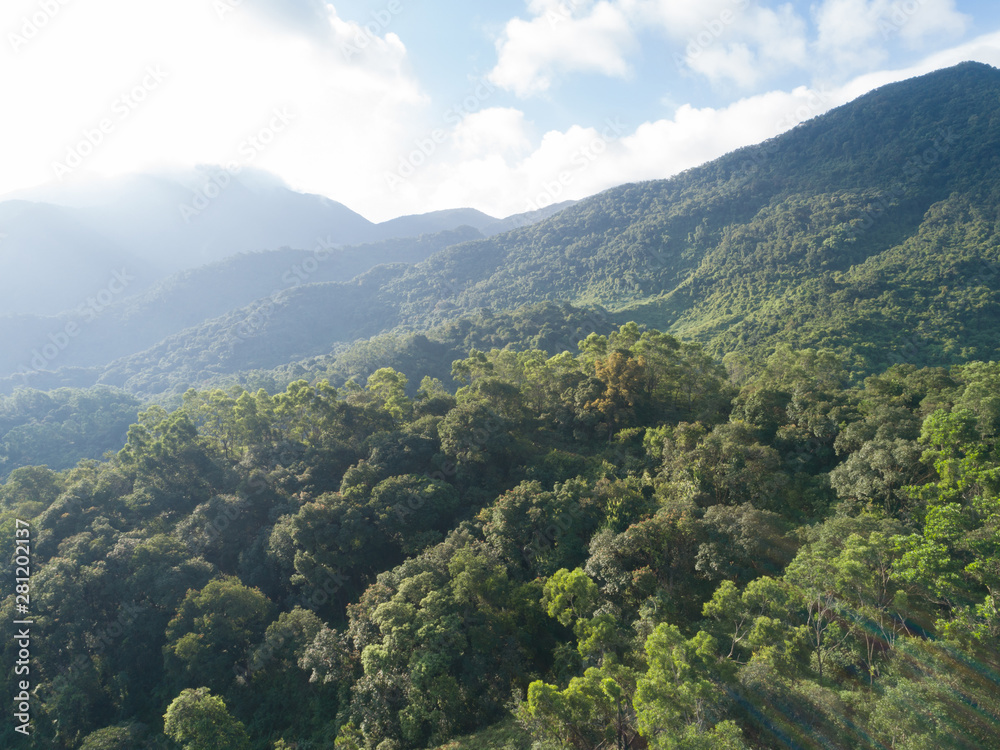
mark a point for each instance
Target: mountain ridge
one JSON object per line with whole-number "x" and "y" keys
{"x": 156, "y": 226}
{"x": 778, "y": 243}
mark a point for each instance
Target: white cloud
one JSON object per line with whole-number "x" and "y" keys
{"x": 579, "y": 162}
{"x": 854, "y": 34}
{"x": 562, "y": 38}
{"x": 682, "y": 20}
{"x": 724, "y": 40}
{"x": 743, "y": 44}
{"x": 497, "y": 130}
{"x": 847, "y": 25}
{"x": 732, "y": 62}
{"x": 917, "y": 20}
{"x": 780, "y": 35}
{"x": 350, "y": 92}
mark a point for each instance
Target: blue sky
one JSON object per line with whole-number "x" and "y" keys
{"x": 394, "y": 106}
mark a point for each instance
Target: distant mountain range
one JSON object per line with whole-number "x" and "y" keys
{"x": 873, "y": 230}
{"x": 61, "y": 245}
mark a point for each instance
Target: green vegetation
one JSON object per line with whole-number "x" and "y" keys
{"x": 61, "y": 427}
{"x": 519, "y": 512}
{"x": 871, "y": 230}
{"x": 623, "y": 547}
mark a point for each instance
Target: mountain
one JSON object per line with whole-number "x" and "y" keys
{"x": 871, "y": 230}
{"x": 50, "y": 260}
{"x": 154, "y": 226}
{"x": 59, "y": 245}
{"x": 94, "y": 336}
{"x": 436, "y": 221}
{"x": 499, "y": 226}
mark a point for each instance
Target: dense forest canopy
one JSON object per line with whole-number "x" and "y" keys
{"x": 624, "y": 546}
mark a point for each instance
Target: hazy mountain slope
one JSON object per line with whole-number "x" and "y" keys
{"x": 434, "y": 221}
{"x": 266, "y": 334}
{"x": 50, "y": 261}
{"x": 187, "y": 220}
{"x": 499, "y": 226}
{"x": 58, "y": 244}
{"x": 132, "y": 324}
{"x": 842, "y": 232}
{"x": 191, "y": 297}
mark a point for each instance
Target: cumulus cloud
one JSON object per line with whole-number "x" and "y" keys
{"x": 743, "y": 44}
{"x": 562, "y": 38}
{"x": 581, "y": 161}
{"x": 733, "y": 41}
{"x": 856, "y": 33}
{"x": 497, "y": 130}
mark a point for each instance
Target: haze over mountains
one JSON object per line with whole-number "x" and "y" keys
{"x": 62, "y": 244}
{"x": 871, "y": 229}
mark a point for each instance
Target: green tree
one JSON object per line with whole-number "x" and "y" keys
{"x": 570, "y": 596}
{"x": 124, "y": 737}
{"x": 389, "y": 388}
{"x": 593, "y": 712}
{"x": 680, "y": 695}
{"x": 198, "y": 720}
{"x": 622, "y": 378}
{"x": 211, "y": 636}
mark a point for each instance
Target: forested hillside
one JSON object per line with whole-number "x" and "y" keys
{"x": 36, "y": 350}
{"x": 871, "y": 230}
{"x": 614, "y": 548}
{"x": 61, "y": 427}
{"x": 704, "y": 463}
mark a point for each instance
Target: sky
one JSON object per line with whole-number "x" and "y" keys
{"x": 395, "y": 107}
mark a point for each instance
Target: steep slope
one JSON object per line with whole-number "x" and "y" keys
{"x": 50, "y": 261}
{"x": 127, "y": 325}
{"x": 861, "y": 229}
{"x": 58, "y": 243}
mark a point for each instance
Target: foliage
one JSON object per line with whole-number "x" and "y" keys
{"x": 598, "y": 531}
